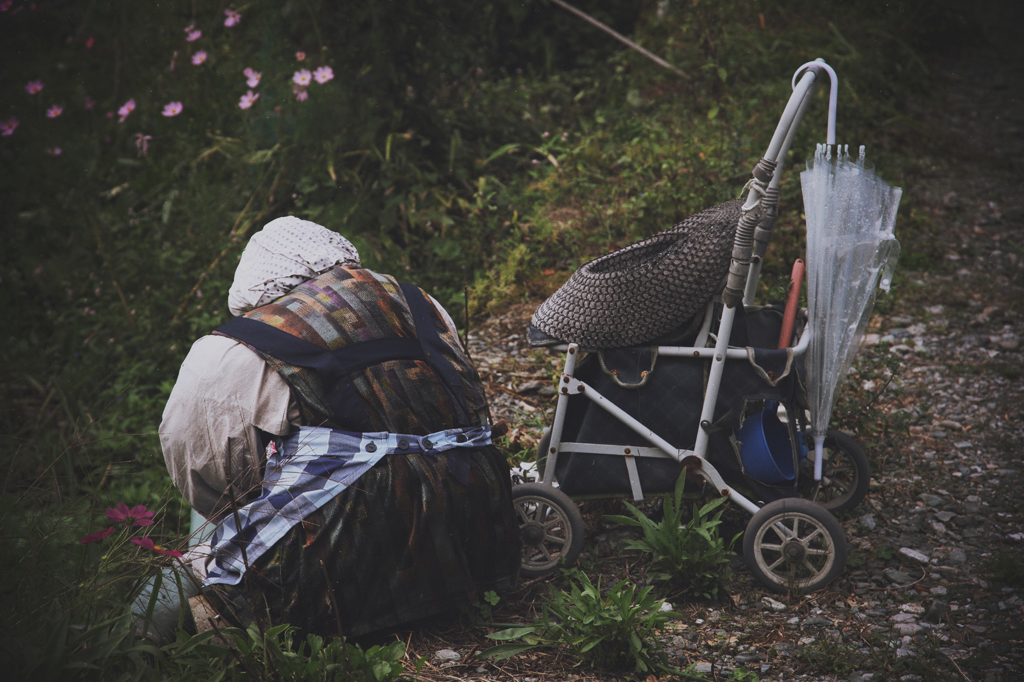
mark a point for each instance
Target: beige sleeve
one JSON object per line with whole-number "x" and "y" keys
{"x": 208, "y": 434}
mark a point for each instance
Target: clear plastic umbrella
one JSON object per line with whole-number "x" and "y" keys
{"x": 851, "y": 252}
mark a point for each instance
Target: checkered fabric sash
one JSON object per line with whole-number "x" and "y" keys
{"x": 313, "y": 466}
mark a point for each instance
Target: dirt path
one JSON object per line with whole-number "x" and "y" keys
{"x": 935, "y": 583}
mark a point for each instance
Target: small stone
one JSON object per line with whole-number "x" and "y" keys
{"x": 804, "y": 641}
{"x": 938, "y": 591}
{"x": 794, "y": 620}
{"x": 936, "y": 612}
{"x": 945, "y": 516}
{"x": 957, "y": 556}
{"x": 530, "y": 387}
{"x": 913, "y": 554}
{"x": 546, "y": 391}
{"x": 868, "y": 521}
{"x": 904, "y": 618}
{"x": 447, "y": 655}
{"x": 702, "y": 668}
{"x": 963, "y": 444}
{"x": 773, "y": 604}
{"x": 898, "y": 577}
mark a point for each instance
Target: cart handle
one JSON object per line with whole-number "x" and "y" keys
{"x": 763, "y": 174}
{"x": 833, "y": 94}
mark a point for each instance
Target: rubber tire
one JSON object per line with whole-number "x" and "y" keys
{"x": 826, "y": 534}
{"x": 859, "y": 471}
{"x": 541, "y": 556}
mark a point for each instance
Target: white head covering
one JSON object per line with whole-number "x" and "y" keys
{"x": 285, "y": 253}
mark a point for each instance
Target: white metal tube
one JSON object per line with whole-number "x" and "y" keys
{"x": 561, "y": 408}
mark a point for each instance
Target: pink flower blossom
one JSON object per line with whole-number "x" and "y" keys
{"x": 123, "y": 112}
{"x": 253, "y": 78}
{"x": 300, "y": 93}
{"x": 142, "y": 144}
{"x": 192, "y": 33}
{"x": 90, "y": 103}
{"x": 323, "y": 74}
{"x": 232, "y": 17}
{"x": 97, "y": 536}
{"x": 33, "y": 87}
{"x": 54, "y": 151}
{"x": 5, "y": 5}
{"x": 147, "y": 543}
{"x": 248, "y": 99}
{"x": 300, "y": 56}
{"x": 248, "y": 72}
{"x": 199, "y": 57}
{"x": 302, "y": 77}
{"x": 54, "y": 111}
{"x": 7, "y": 127}
{"x": 136, "y": 516}
{"x": 172, "y": 109}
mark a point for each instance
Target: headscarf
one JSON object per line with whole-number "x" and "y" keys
{"x": 285, "y": 253}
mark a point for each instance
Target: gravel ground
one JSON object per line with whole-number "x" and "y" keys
{"x": 935, "y": 583}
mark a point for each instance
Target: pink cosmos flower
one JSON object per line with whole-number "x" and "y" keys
{"x": 97, "y": 536}
{"x": 142, "y": 144}
{"x": 33, "y": 87}
{"x": 232, "y": 17}
{"x": 136, "y": 516}
{"x": 54, "y": 111}
{"x": 192, "y": 33}
{"x": 147, "y": 543}
{"x": 300, "y": 56}
{"x": 248, "y": 72}
{"x": 199, "y": 57}
{"x": 54, "y": 151}
{"x": 90, "y": 103}
{"x": 5, "y": 5}
{"x": 248, "y": 99}
{"x": 302, "y": 77}
{"x": 300, "y": 93}
{"x": 172, "y": 109}
{"x": 7, "y": 127}
{"x": 323, "y": 74}
{"x": 253, "y": 78}
{"x": 128, "y": 108}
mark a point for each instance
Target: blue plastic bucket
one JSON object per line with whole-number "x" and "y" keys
{"x": 765, "y": 448}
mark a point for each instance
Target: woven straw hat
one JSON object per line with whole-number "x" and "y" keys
{"x": 640, "y": 292}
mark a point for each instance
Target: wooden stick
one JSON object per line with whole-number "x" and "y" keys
{"x": 621, "y": 38}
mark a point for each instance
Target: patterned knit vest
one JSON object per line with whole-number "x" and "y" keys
{"x": 359, "y": 355}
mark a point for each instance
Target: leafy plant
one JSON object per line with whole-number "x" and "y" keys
{"x": 693, "y": 555}
{"x": 612, "y": 632}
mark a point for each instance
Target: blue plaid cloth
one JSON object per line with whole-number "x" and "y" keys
{"x": 313, "y": 466}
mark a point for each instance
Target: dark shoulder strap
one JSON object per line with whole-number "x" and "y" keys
{"x": 434, "y": 348}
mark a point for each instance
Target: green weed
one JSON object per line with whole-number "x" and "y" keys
{"x": 614, "y": 631}
{"x": 692, "y": 556}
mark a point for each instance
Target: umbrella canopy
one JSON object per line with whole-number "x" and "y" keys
{"x": 851, "y": 252}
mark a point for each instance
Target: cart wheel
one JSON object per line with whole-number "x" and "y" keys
{"x": 794, "y": 545}
{"x": 550, "y": 525}
{"x": 845, "y": 474}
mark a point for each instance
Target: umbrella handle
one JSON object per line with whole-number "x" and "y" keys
{"x": 833, "y": 93}
{"x": 789, "y": 317}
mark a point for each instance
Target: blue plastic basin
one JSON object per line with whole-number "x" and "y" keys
{"x": 765, "y": 448}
